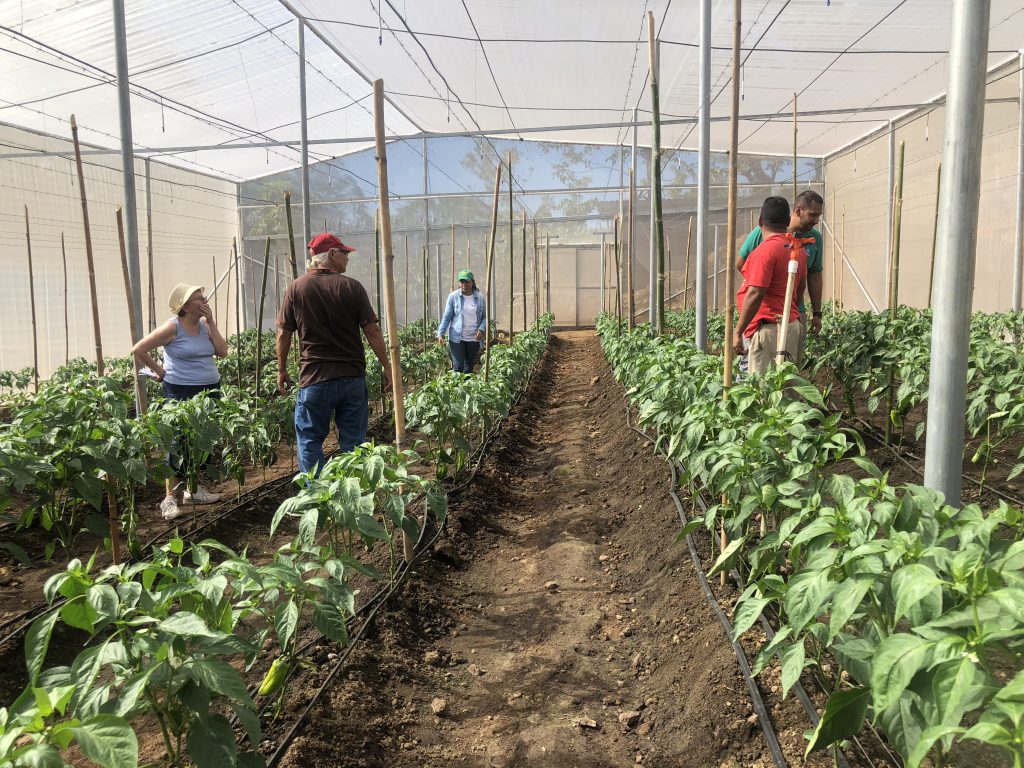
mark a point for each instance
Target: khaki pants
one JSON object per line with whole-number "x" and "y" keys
{"x": 765, "y": 342}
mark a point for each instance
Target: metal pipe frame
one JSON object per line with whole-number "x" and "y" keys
{"x": 957, "y": 247}
{"x": 703, "y": 178}
{"x": 1018, "y": 247}
{"x": 307, "y": 227}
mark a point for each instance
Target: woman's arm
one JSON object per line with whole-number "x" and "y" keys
{"x": 220, "y": 346}
{"x": 446, "y": 318}
{"x": 483, "y": 308}
{"x": 158, "y": 337}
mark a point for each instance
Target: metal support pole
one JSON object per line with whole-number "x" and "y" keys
{"x": 888, "y": 210}
{"x": 1018, "y": 246}
{"x": 547, "y": 272}
{"x": 124, "y": 110}
{"x": 604, "y": 274}
{"x": 714, "y": 279}
{"x": 704, "y": 180}
{"x": 955, "y": 259}
{"x": 307, "y": 226}
{"x": 150, "y": 287}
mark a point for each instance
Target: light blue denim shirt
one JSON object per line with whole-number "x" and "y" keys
{"x": 451, "y": 320}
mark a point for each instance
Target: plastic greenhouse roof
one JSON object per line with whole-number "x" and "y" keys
{"x": 214, "y": 72}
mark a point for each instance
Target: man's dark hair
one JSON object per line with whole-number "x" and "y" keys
{"x": 808, "y": 197}
{"x": 775, "y": 213}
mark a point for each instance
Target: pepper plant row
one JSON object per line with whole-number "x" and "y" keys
{"x": 173, "y": 636}
{"x": 919, "y": 603}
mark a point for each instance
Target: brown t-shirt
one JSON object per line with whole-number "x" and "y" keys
{"x": 327, "y": 310}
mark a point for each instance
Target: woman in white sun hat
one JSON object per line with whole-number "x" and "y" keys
{"x": 190, "y": 340}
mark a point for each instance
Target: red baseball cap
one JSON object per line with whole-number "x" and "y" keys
{"x": 325, "y": 241}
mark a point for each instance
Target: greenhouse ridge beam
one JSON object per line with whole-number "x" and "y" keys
{"x": 368, "y": 140}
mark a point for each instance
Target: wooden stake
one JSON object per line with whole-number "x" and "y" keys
{"x": 842, "y": 258}
{"x": 511, "y": 255}
{"x": 238, "y": 310}
{"x": 835, "y": 256}
{"x": 398, "y": 388}
{"x": 455, "y": 283}
{"x": 659, "y": 229}
{"x": 216, "y": 298}
{"x": 405, "y": 313}
{"x": 259, "y": 320}
{"x": 730, "y": 271}
{"x": 686, "y": 278}
{"x": 894, "y": 279}
{"x": 935, "y": 233}
{"x": 426, "y": 293}
{"x": 277, "y": 282}
{"x": 618, "y": 279}
{"x": 630, "y": 319}
{"x": 67, "y": 326}
{"x": 668, "y": 276}
{"x": 32, "y": 303}
{"x": 490, "y": 261}
{"x": 525, "y": 327}
{"x": 88, "y": 250}
{"x": 291, "y": 237}
{"x": 140, "y": 390}
{"x": 536, "y": 276}
{"x": 113, "y": 520}
{"x": 794, "y": 149}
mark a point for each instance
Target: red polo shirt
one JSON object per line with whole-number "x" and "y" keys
{"x": 768, "y": 267}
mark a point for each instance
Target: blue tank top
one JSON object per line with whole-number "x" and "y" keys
{"x": 189, "y": 359}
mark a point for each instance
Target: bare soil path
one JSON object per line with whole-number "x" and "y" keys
{"x": 558, "y": 624}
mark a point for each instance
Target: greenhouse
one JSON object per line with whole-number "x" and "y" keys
{"x": 513, "y": 383}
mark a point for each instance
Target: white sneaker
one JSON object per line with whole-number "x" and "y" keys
{"x": 169, "y": 509}
{"x": 201, "y": 496}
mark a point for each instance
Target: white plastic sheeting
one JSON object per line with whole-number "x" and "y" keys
{"x": 225, "y": 71}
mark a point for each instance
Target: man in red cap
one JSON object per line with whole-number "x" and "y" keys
{"x": 326, "y": 308}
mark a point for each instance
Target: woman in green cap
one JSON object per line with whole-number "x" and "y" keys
{"x": 465, "y": 322}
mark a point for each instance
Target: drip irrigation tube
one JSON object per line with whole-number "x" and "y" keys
{"x": 741, "y": 658}
{"x": 386, "y": 593}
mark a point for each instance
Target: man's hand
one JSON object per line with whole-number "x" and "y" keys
{"x": 737, "y": 341}
{"x": 284, "y": 382}
{"x": 385, "y": 378}
{"x": 815, "y": 326}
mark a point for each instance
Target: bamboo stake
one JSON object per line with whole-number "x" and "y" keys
{"x": 618, "y": 279}
{"x": 935, "y": 233}
{"x": 151, "y": 290}
{"x": 88, "y": 250}
{"x": 291, "y": 236}
{"x": 238, "y": 310}
{"x": 216, "y": 298}
{"x": 536, "y": 276}
{"x": 389, "y": 293}
{"x": 490, "y": 260}
{"x": 67, "y": 326}
{"x": 835, "y": 257}
{"x": 894, "y": 279}
{"x": 547, "y": 274}
{"x": 380, "y": 288}
{"x": 426, "y": 292}
{"x": 140, "y": 390}
{"x": 259, "y": 320}
{"x": 842, "y": 260}
{"x": 113, "y": 520}
{"x": 454, "y": 283}
{"x": 668, "y": 277}
{"x": 659, "y": 229}
{"x": 405, "y": 313}
{"x": 524, "y": 272}
{"x": 629, "y": 255}
{"x": 511, "y": 255}
{"x": 32, "y": 303}
{"x": 686, "y": 275}
{"x": 277, "y": 282}
{"x": 734, "y": 133}
{"x": 794, "y": 148}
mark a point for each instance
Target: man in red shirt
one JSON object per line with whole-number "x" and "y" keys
{"x": 763, "y": 293}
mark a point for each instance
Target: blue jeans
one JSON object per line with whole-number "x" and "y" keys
{"x": 345, "y": 398}
{"x": 463, "y": 355}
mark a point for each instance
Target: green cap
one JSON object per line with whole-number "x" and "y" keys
{"x": 466, "y": 275}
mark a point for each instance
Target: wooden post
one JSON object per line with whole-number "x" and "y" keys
{"x": 490, "y": 261}
{"x": 259, "y": 319}
{"x": 379, "y": 309}
{"x": 659, "y": 230}
{"x": 277, "y": 282}
{"x": 618, "y": 279}
{"x": 32, "y": 304}
{"x": 668, "y": 276}
{"x": 794, "y": 149}
{"x": 67, "y": 326}
{"x": 730, "y": 271}
{"x": 935, "y": 233}
{"x": 390, "y": 304}
{"x": 140, "y": 390}
{"x": 894, "y": 278}
{"x": 291, "y": 237}
{"x": 88, "y": 250}
{"x": 238, "y": 309}
{"x": 631, "y": 299}
{"x": 686, "y": 278}
{"x": 511, "y": 255}
{"x": 525, "y": 326}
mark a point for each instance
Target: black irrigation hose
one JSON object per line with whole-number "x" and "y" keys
{"x": 420, "y": 550}
{"x": 741, "y": 658}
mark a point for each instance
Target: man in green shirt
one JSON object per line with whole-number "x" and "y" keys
{"x": 807, "y": 210}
